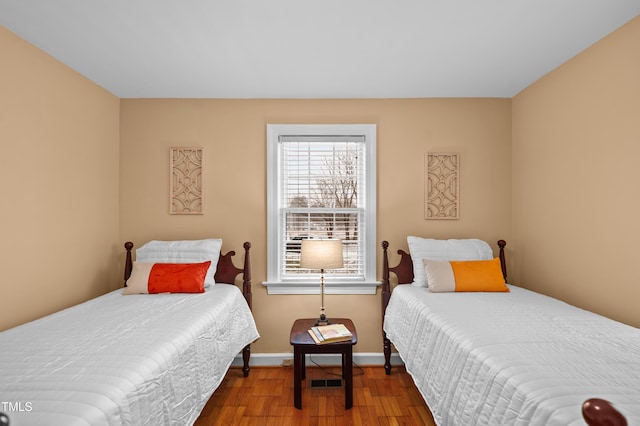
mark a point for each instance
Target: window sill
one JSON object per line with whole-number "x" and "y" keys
{"x": 314, "y": 288}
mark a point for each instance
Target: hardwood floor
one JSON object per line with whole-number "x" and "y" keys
{"x": 266, "y": 398}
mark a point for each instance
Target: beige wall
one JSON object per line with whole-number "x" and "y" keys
{"x": 59, "y": 218}
{"x": 576, "y": 180}
{"x": 232, "y": 133}
{"x": 565, "y": 199}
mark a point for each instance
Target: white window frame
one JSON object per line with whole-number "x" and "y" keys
{"x": 275, "y": 283}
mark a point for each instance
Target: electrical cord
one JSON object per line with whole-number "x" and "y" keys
{"x": 359, "y": 373}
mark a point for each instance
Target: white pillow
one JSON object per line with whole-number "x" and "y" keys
{"x": 183, "y": 251}
{"x": 427, "y": 248}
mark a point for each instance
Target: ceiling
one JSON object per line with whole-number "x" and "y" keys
{"x": 321, "y": 49}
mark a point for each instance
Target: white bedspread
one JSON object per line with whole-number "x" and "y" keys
{"x": 516, "y": 358}
{"x": 123, "y": 360}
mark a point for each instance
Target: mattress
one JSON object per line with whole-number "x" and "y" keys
{"x": 517, "y": 358}
{"x": 123, "y": 360}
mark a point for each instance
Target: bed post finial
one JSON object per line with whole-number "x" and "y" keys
{"x": 246, "y": 274}
{"x": 503, "y": 263}
{"x": 128, "y": 264}
{"x": 385, "y": 263}
{"x": 596, "y": 411}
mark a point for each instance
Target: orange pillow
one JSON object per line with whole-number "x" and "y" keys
{"x": 467, "y": 275}
{"x": 149, "y": 278}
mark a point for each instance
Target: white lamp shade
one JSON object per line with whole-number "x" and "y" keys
{"x": 321, "y": 254}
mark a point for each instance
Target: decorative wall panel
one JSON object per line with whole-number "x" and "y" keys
{"x": 186, "y": 181}
{"x": 441, "y": 185}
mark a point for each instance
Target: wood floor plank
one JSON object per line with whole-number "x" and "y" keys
{"x": 266, "y": 398}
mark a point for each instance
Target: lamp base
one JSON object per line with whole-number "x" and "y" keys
{"x": 323, "y": 320}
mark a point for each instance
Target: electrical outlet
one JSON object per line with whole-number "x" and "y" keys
{"x": 287, "y": 362}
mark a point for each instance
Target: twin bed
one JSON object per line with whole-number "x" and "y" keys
{"x": 486, "y": 356}
{"x": 504, "y": 356}
{"x": 137, "y": 359}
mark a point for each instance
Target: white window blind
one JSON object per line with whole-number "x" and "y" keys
{"x": 321, "y": 187}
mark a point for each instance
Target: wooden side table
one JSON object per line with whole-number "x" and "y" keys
{"x": 303, "y": 344}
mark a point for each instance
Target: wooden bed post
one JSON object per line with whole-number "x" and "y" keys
{"x": 128, "y": 265}
{"x": 503, "y": 263}
{"x": 404, "y": 273}
{"x": 246, "y": 275}
{"x": 386, "y": 294}
{"x": 246, "y": 290}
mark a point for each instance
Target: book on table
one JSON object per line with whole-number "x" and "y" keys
{"x": 330, "y": 333}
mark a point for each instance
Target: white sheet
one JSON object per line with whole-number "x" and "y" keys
{"x": 516, "y": 358}
{"x": 123, "y": 360}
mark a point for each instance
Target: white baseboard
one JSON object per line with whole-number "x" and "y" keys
{"x": 280, "y": 359}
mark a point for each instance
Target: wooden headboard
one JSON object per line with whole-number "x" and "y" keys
{"x": 226, "y": 271}
{"x": 404, "y": 269}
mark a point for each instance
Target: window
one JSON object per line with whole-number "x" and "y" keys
{"x": 321, "y": 184}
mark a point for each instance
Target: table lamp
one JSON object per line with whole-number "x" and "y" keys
{"x": 321, "y": 254}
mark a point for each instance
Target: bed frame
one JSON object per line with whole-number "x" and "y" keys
{"x": 404, "y": 272}
{"x": 226, "y": 272}
{"x": 596, "y": 412}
